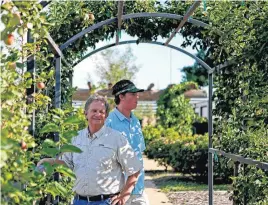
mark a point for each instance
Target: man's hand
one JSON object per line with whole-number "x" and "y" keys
{"x": 51, "y": 161}
{"x": 124, "y": 195}
{"x": 120, "y": 199}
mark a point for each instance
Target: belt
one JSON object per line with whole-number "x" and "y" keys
{"x": 95, "y": 198}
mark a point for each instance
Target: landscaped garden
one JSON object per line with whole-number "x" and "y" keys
{"x": 38, "y": 120}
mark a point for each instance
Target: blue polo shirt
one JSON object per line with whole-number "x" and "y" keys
{"x": 131, "y": 129}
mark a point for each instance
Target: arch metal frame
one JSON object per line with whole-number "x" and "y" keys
{"x": 60, "y": 57}
{"x": 211, "y": 150}
{"x": 129, "y": 16}
{"x": 210, "y": 77}
{"x": 200, "y": 61}
{"x": 184, "y": 18}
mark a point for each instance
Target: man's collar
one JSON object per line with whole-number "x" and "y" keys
{"x": 96, "y": 134}
{"x": 120, "y": 115}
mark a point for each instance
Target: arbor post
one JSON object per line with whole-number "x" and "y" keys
{"x": 57, "y": 105}
{"x": 31, "y": 64}
{"x": 210, "y": 132}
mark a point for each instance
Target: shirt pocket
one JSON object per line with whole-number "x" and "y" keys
{"x": 105, "y": 156}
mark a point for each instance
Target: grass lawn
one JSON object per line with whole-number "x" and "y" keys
{"x": 172, "y": 182}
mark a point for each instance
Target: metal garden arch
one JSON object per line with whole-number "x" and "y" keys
{"x": 186, "y": 18}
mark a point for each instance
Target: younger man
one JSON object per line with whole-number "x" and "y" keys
{"x": 124, "y": 121}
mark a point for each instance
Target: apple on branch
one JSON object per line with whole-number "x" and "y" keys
{"x": 40, "y": 85}
{"x": 10, "y": 39}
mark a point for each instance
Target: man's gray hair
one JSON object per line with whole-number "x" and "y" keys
{"x": 97, "y": 98}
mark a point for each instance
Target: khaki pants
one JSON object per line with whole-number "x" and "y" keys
{"x": 140, "y": 199}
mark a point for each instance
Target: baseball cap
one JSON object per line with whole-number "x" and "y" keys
{"x": 125, "y": 86}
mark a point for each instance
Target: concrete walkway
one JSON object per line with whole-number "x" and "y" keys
{"x": 155, "y": 196}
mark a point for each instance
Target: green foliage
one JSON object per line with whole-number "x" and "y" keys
{"x": 174, "y": 182}
{"x": 241, "y": 89}
{"x": 23, "y": 19}
{"x": 116, "y": 66}
{"x": 21, "y": 183}
{"x": 65, "y": 123}
{"x": 184, "y": 153}
{"x": 144, "y": 111}
{"x": 174, "y": 110}
{"x": 237, "y": 33}
{"x": 172, "y": 143}
{"x": 69, "y": 20}
{"x": 151, "y": 133}
{"x": 196, "y": 73}
{"x": 250, "y": 143}
{"x": 251, "y": 186}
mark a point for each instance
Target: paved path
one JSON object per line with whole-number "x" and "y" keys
{"x": 155, "y": 196}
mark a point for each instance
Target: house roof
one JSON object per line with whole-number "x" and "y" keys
{"x": 81, "y": 95}
{"x": 195, "y": 93}
{"x": 147, "y": 95}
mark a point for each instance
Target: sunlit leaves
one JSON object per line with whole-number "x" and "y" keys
{"x": 50, "y": 127}
{"x": 174, "y": 109}
{"x": 70, "y": 148}
{"x": 65, "y": 171}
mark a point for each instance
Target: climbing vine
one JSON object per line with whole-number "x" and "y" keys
{"x": 237, "y": 33}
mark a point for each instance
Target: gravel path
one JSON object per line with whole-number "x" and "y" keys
{"x": 198, "y": 198}
{"x": 179, "y": 198}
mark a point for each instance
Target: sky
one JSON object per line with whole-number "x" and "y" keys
{"x": 158, "y": 64}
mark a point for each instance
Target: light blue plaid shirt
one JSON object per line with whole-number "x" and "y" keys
{"x": 131, "y": 129}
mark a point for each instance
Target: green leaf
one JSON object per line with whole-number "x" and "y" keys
{"x": 72, "y": 120}
{"x": 70, "y": 148}
{"x": 15, "y": 20}
{"x": 58, "y": 111}
{"x": 50, "y": 55}
{"x": 7, "y": 96}
{"x": 70, "y": 134}
{"x": 36, "y": 35}
{"x": 29, "y": 83}
{"x": 43, "y": 75}
{"x": 50, "y": 74}
{"x": 27, "y": 74}
{"x": 50, "y": 127}
{"x": 20, "y": 65}
{"x": 7, "y": 6}
{"x": 50, "y": 151}
{"x": 66, "y": 171}
{"x": 20, "y": 31}
{"x": 51, "y": 188}
{"x": 49, "y": 168}
{"x": 62, "y": 190}
{"x": 6, "y": 114}
{"x": 5, "y": 19}
{"x": 48, "y": 143}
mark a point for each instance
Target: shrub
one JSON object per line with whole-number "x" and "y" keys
{"x": 151, "y": 133}
{"x": 187, "y": 154}
{"x": 251, "y": 184}
{"x": 175, "y": 111}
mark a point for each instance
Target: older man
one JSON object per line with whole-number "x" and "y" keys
{"x": 123, "y": 120}
{"x": 106, "y": 155}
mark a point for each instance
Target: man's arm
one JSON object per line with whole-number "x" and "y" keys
{"x": 131, "y": 166}
{"x": 126, "y": 191}
{"x": 51, "y": 161}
